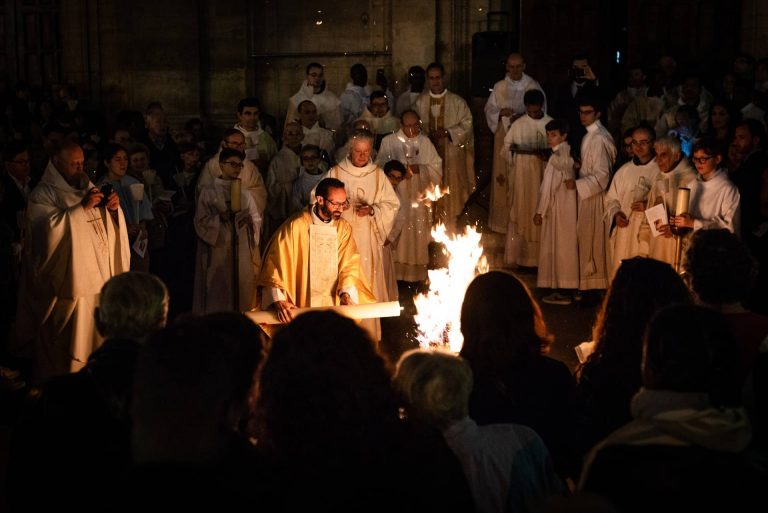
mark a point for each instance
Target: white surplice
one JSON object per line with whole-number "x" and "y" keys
{"x": 715, "y": 203}
{"x": 321, "y": 137}
{"x": 412, "y": 246}
{"x": 631, "y": 183}
{"x": 250, "y": 177}
{"x": 328, "y": 105}
{"x": 70, "y": 253}
{"x": 559, "y": 248}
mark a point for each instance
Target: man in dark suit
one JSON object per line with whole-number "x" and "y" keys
{"x": 583, "y": 84}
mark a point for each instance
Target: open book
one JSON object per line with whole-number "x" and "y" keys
{"x": 657, "y": 216}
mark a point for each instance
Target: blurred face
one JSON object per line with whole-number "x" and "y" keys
{"x": 360, "y": 152}
{"x": 395, "y": 177}
{"x": 554, "y": 137}
{"x": 690, "y": 91}
{"x": 515, "y": 67}
{"x": 577, "y": 68}
{"x": 743, "y": 140}
{"x": 665, "y": 159}
{"x": 123, "y": 137}
{"x": 190, "y": 158}
{"x": 416, "y": 80}
{"x": 642, "y": 145}
{"x": 157, "y": 125}
{"x": 379, "y": 107}
{"x": 626, "y": 146}
{"x": 231, "y": 167}
{"x": 70, "y": 163}
{"x": 234, "y": 141}
{"x": 534, "y": 111}
{"x": 683, "y": 121}
{"x": 588, "y": 115}
{"x": 140, "y": 161}
{"x": 332, "y": 206}
{"x": 411, "y": 125}
{"x": 293, "y": 135}
{"x": 310, "y": 160}
{"x": 435, "y": 80}
{"x": 706, "y": 165}
{"x": 315, "y": 78}
{"x": 308, "y": 114}
{"x": 361, "y": 124}
{"x": 249, "y": 118}
{"x": 719, "y": 117}
{"x": 19, "y": 167}
{"x": 118, "y": 165}
{"x": 636, "y": 78}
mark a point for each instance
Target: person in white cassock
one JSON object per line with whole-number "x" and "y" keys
{"x": 259, "y": 145}
{"x": 214, "y": 286}
{"x": 374, "y": 206}
{"x": 283, "y": 171}
{"x": 674, "y": 172}
{"x": 423, "y": 172}
{"x": 315, "y": 89}
{"x": 627, "y": 198}
{"x": 504, "y": 106}
{"x": 77, "y": 240}
{"x": 524, "y": 145}
{"x": 379, "y": 117}
{"x": 313, "y": 133}
{"x": 407, "y": 100}
{"x": 597, "y": 156}
{"x": 449, "y": 122}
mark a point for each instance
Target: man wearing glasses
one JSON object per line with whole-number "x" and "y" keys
{"x": 627, "y": 197}
{"x": 312, "y": 259}
{"x": 314, "y": 89}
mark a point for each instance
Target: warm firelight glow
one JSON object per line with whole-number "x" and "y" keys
{"x": 437, "y": 320}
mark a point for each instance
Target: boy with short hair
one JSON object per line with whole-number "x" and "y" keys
{"x": 556, "y": 214}
{"x": 310, "y": 174}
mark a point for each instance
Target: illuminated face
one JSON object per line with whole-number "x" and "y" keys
{"x": 515, "y": 67}
{"x": 379, "y": 107}
{"x": 744, "y": 141}
{"x": 249, "y": 118}
{"x": 234, "y": 141}
{"x": 231, "y": 167}
{"x": 360, "y": 152}
{"x": 435, "y": 80}
{"x": 157, "y": 125}
{"x": 411, "y": 125}
{"x": 665, "y": 159}
{"x": 140, "y": 161}
{"x": 70, "y": 163}
{"x": 642, "y": 144}
{"x": 334, "y": 204}
{"x": 293, "y": 135}
{"x": 588, "y": 115}
{"x": 706, "y": 165}
{"x": 534, "y": 111}
{"x": 118, "y": 165}
{"x": 395, "y": 177}
{"x": 315, "y": 77}
{"x": 554, "y": 137}
{"x": 310, "y": 160}
{"x": 308, "y": 114}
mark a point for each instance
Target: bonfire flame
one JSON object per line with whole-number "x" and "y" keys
{"x": 439, "y": 309}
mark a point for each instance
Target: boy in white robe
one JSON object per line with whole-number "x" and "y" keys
{"x": 214, "y": 289}
{"x": 310, "y": 174}
{"x": 395, "y": 171}
{"x": 556, "y": 214}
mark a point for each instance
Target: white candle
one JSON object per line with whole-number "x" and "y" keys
{"x": 683, "y": 196}
{"x": 234, "y": 195}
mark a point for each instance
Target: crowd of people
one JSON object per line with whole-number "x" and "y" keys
{"x": 150, "y": 377}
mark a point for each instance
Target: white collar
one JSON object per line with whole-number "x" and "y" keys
{"x": 439, "y": 95}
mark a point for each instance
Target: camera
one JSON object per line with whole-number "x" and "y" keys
{"x": 106, "y": 190}
{"x": 578, "y": 72}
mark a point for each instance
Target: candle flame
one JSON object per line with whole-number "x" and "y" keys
{"x": 439, "y": 310}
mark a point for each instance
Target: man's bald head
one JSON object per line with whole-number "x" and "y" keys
{"x": 515, "y": 66}
{"x": 69, "y": 161}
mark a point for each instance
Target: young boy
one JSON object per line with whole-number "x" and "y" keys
{"x": 395, "y": 171}
{"x": 556, "y": 214}
{"x": 213, "y": 223}
{"x": 310, "y": 174}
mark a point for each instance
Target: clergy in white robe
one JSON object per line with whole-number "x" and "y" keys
{"x": 556, "y": 211}
{"x": 417, "y": 76}
{"x": 73, "y": 247}
{"x": 315, "y": 90}
{"x": 523, "y": 146}
{"x": 214, "y": 289}
{"x": 310, "y": 174}
{"x": 250, "y": 176}
{"x": 597, "y": 156}
{"x": 374, "y": 206}
{"x": 626, "y": 200}
{"x": 282, "y": 172}
{"x": 423, "y": 172}
{"x": 313, "y": 132}
{"x": 675, "y": 172}
{"x": 380, "y": 118}
{"x": 449, "y": 122}
{"x": 505, "y": 105}
{"x": 259, "y": 145}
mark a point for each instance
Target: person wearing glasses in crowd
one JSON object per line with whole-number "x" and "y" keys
{"x": 627, "y": 198}
{"x": 714, "y": 200}
{"x": 213, "y": 223}
{"x": 301, "y": 269}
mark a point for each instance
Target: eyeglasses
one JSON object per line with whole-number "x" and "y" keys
{"x": 701, "y": 160}
{"x": 344, "y": 204}
{"x": 236, "y": 165}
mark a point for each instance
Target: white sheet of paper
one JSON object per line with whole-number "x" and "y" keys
{"x": 252, "y": 153}
{"x": 140, "y": 246}
{"x": 657, "y": 216}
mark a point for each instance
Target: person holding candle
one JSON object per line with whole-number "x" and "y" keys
{"x": 137, "y": 210}
{"x": 221, "y": 204}
{"x": 714, "y": 199}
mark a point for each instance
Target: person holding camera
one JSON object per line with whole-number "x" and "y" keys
{"x": 582, "y": 83}
{"x": 76, "y": 240}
